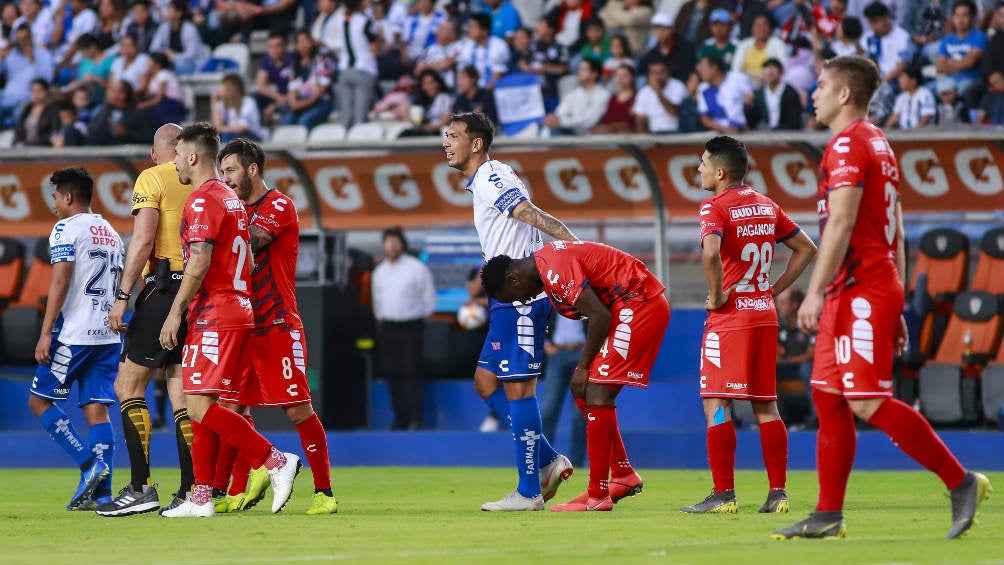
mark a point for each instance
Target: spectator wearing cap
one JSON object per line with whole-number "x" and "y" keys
{"x": 693, "y": 21}
{"x": 582, "y": 108}
{"x": 959, "y": 53}
{"x": 775, "y": 105}
{"x": 24, "y": 63}
{"x": 141, "y": 26}
{"x": 753, "y": 52}
{"x": 486, "y": 53}
{"x": 915, "y": 106}
{"x": 720, "y": 43}
{"x": 39, "y": 20}
{"x": 951, "y": 110}
{"x": 179, "y": 39}
{"x": 569, "y": 17}
{"x": 884, "y": 42}
{"x": 721, "y": 96}
{"x": 848, "y": 39}
{"x": 678, "y": 53}
{"x": 657, "y": 105}
{"x": 505, "y": 18}
{"x": 631, "y": 18}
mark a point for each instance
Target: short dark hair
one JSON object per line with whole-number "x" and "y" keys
{"x": 161, "y": 59}
{"x": 595, "y": 66}
{"x": 860, "y": 74}
{"x": 41, "y": 82}
{"x": 86, "y": 41}
{"x": 493, "y": 274}
{"x": 76, "y": 181}
{"x": 852, "y": 28}
{"x": 967, "y": 3}
{"x": 731, "y": 154}
{"x": 247, "y": 152}
{"x": 204, "y": 137}
{"x": 483, "y": 20}
{"x": 876, "y": 10}
{"x": 471, "y": 71}
{"x": 914, "y": 72}
{"x": 397, "y": 232}
{"x": 716, "y": 61}
{"x": 772, "y": 62}
{"x": 479, "y": 125}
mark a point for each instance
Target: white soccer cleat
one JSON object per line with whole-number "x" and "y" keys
{"x": 514, "y": 502}
{"x": 189, "y": 509}
{"x": 282, "y": 481}
{"x": 553, "y": 474}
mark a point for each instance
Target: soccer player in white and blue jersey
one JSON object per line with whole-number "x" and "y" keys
{"x": 508, "y": 223}
{"x": 76, "y": 344}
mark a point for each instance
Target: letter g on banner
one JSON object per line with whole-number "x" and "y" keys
{"x": 13, "y": 201}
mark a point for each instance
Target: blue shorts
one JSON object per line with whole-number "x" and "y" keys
{"x": 92, "y": 367}
{"x": 514, "y": 347}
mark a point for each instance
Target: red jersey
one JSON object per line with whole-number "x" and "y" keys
{"x": 860, "y": 157}
{"x": 273, "y": 281}
{"x": 749, "y": 224}
{"x": 214, "y": 214}
{"x": 568, "y": 267}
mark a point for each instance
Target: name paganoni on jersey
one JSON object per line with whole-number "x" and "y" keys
{"x": 754, "y": 230}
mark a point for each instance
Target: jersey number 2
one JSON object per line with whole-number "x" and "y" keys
{"x": 758, "y": 257}
{"x": 241, "y": 249}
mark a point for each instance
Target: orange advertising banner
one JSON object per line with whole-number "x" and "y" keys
{"x": 373, "y": 190}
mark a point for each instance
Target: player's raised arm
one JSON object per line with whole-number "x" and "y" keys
{"x": 528, "y": 213}
{"x": 803, "y": 249}
{"x": 200, "y": 255}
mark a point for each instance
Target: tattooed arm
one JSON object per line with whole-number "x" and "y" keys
{"x": 528, "y": 213}
{"x": 200, "y": 255}
{"x": 259, "y": 238}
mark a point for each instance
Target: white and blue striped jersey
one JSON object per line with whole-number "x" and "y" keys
{"x": 96, "y": 251}
{"x": 497, "y": 190}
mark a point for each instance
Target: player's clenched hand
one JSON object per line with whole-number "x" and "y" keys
{"x": 42, "y": 349}
{"x": 902, "y": 337}
{"x": 115, "y": 316}
{"x": 808, "y": 313}
{"x": 169, "y": 332}
{"x": 578, "y": 384}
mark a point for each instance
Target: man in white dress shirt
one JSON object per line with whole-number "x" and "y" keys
{"x": 403, "y": 297}
{"x": 582, "y": 108}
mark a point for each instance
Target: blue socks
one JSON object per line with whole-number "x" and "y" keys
{"x": 103, "y": 446}
{"x": 58, "y": 425}
{"x": 499, "y": 404}
{"x": 526, "y": 436}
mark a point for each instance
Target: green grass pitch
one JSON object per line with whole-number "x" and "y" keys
{"x": 431, "y": 515}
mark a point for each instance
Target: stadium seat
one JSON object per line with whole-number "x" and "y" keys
{"x": 22, "y": 321}
{"x": 989, "y": 275}
{"x": 289, "y": 134}
{"x": 326, "y": 133}
{"x": 188, "y": 97}
{"x": 36, "y": 285}
{"x": 6, "y": 138}
{"x": 949, "y": 385}
{"x": 237, "y": 52}
{"x": 11, "y": 269}
{"x": 392, "y": 130}
{"x": 366, "y": 131}
{"x": 944, "y": 260}
{"x": 992, "y": 387}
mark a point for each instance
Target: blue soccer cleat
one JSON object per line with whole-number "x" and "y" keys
{"x": 89, "y": 480}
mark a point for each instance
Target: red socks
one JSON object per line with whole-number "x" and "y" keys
{"x": 912, "y": 433}
{"x": 601, "y": 426}
{"x": 315, "y": 447}
{"x": 836, "y": 442}
{"x": 224, "y": 465}
{"x": 205, "y": 445}
{"x": 234, "y": 429}
{"x": 722, "y": 455}
{"x": 774, "y": 445}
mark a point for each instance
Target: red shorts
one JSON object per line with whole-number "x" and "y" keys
{"x": 211, "y": 360}
{"x": 632, "y": 343}
{"x": 740, "y": 364}
{"x": 275, "y": 373}
{"x": 856, "y": 341}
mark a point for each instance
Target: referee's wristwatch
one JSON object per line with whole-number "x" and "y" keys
{"x": 122, "y": 295}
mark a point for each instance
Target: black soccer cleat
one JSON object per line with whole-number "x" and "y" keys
{"x": 966, "y": 498}
{"x": 723, "y": 502}
{"x": 819, "y": 525}
{"x": 777, "y": 502}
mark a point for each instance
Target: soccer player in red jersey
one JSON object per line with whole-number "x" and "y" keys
{"x": 739, "y": 229}
{"x": 855, "y": 302}
{"x": 216, "y": 295}
{"x": 276, "y": 372}
{"x": 628, "y": 315}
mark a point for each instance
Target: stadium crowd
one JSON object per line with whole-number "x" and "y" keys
{"x": 106, "y": 72}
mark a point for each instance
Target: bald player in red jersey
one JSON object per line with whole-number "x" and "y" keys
{"x": 855, "y": 302}
{"x": 627, "y": 318}
{"x": 276, "y": 375}
{"x": 215, "y": 294}
{"x": 739, "y": 229}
